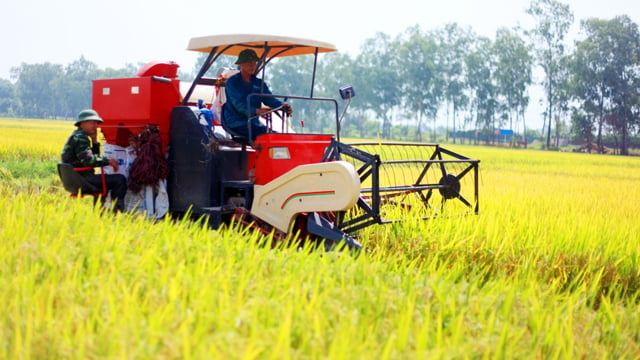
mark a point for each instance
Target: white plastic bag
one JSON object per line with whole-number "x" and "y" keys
{"x": 154, "y": 203}
{"x": 124, "y": 156}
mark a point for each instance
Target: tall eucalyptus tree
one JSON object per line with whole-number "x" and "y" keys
{"x": 377, "y": 69}
{"x": 422, "y": 82}
{"x": 480, "y": 64}
{"x": 513, "y": 75}
{"x": 454, "y": 44}
{"x": 553, "y": 20}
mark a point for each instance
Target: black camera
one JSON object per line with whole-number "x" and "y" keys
{"x": 347, "y": 92}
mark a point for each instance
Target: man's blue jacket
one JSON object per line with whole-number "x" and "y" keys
{"x": 235, "y": 112}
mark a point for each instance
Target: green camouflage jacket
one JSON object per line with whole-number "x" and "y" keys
{"x": 78, "y": 152}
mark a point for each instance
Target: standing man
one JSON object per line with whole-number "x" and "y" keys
{"x": 83, "y": 150}
{"x": 235, "y": 113}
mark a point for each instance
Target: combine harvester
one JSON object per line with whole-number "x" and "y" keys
{"x": 284, "y": 182}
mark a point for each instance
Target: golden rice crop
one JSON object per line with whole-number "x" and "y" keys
{"x": 548, "y": 269}
{"x": 36, "y": 138}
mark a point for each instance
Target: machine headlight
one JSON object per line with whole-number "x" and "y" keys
{"x": 279, "y": 153}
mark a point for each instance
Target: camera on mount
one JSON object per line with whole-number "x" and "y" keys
{"x": 347, "y": 92}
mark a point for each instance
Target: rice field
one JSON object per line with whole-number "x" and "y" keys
{"x": 550, "y": 268}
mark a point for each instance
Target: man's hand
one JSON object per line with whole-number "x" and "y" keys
{"x": 114, "y": 164}
{"x": 288, "y": 109}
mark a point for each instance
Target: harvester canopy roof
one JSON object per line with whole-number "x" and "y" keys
{"x": 267, "y": 47}
{"x": 277, "y": 46}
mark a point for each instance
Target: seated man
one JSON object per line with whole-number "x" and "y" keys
{"x": 83, "y": 150}
{"x": 235, "y": 113}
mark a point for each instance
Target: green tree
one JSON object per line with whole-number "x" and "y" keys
{"x": 8, "y": 104}
{"x": 513, "y": 75}
{"x": 454, "y": 44}
{"x": 376, "y": 67}
{"x": 222, "y": 63}
{"x": 292, "y": 76}
{"x": 422, "y": 85}
{"x": 128, "y": 71}
{"x": 589, "y": 84}
{"x": 624, "y": 77}
{"x": 336, "y": 70}
{"x": 553, "y": 20}
{"x": 563, "y": 95}
{"x": 480, "y": 65}
{"x": 74, "y": 88}
{"x": 606, "y": 75}
{"x": 582, "y": 128}
{"x": 36, "y": 90}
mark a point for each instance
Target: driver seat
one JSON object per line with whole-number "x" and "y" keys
{"x": 242, "y": 140}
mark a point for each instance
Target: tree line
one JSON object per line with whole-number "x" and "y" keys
{"x": 447, "y": 83}
{"x": 52, "y": 90}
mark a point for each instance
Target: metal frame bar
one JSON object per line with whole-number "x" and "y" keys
{"x": 286, "y": 98}
{"x": 371, "y": 205}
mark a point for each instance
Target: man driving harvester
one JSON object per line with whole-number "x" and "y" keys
{"x": 238, "y": 87}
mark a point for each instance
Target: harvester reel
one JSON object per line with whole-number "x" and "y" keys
{"x": 452, "y": 186}
{"x": 399, "y": 180}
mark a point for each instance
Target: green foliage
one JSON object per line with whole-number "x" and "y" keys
{"x": 513, "y": 73}
{"x": 553, "y": 20}
{"x": 8, "y": 101}
{"x": 55, "y": 91}
{"x": 606, "y": 85}
{"x": 377, "y": 69}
